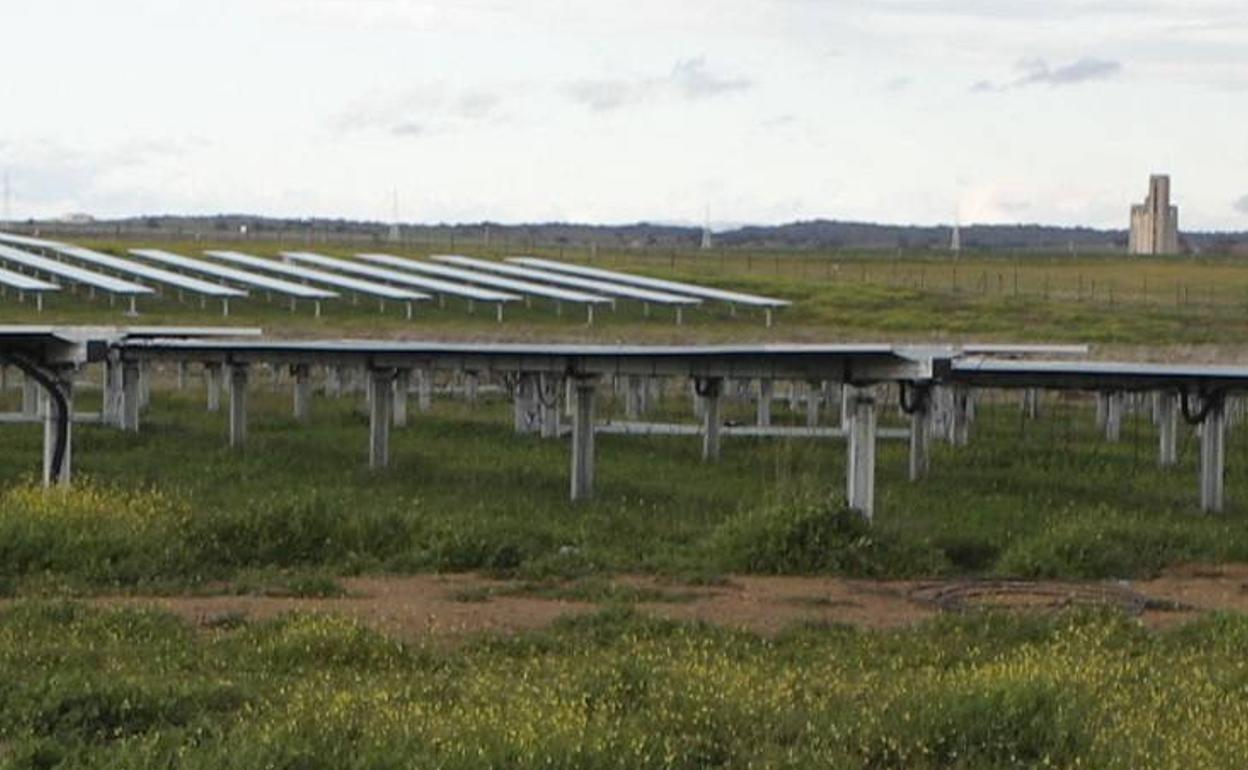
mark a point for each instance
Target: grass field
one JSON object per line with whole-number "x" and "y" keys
{"x": 838, "y": 295}
{"x": 172, "y": 511}
{"x": 139, "y": 689}
{"x": 173, "y": 506}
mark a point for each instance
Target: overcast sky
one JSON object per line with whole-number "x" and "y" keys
{"x": 765, "y": 111}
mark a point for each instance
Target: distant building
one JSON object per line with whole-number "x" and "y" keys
{"x": 78, "y": 219}
{"x": 1155, "y": 223}
{"x": 707, "y": 241}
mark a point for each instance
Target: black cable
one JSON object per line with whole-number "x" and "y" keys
{"x": 1209, "y": 401}
{"x": 62, "y": 409}
{"x": 920, "y": 397}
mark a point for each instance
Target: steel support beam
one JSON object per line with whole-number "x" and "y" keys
{"x": 402, "y": 386}
{"x": 1213, "y": 457}
{"x": 130, "y": 397}
{"x": 381, "y": 386}
{"x": 860, "y": 465}
{"x": 51, "y": 418}
{"x": 709, "y": 392}
{"x": 302, "y": 375}
{"x": 1167, "y": 416}
{"x": 238, "y": 405}
{"x": 1113, "y": 416}
{"x": 766, "y": 390}
{"x": 920, "y": 433}
{"x": 584, "y": 394}
{"x": 212, "y": 381}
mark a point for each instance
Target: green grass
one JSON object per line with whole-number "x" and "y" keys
{"x": 837, "y": 295}
{"x": 172, "y": 508}
{"x": 87, "y": 688}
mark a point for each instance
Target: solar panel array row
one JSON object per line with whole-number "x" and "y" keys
{"x": 154, "y": 274}
{"x": 389, "y": 277}
{"x": 242, "y": 277}
{"x": 23, "y": 282}
{"x": 601, "y": 287}
{"x": 430, "y": 284}
{"x": 320, "y": 276}
{"x": 73, "y": 273}
{"x": 482, "y": 279}
{"x": 678, "y": 287}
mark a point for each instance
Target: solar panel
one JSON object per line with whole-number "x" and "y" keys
{"x": 24, "y": 240}
{"x": 156, "y": 274}
{"x": 254, "y": 280}
{"x": 25, "y": 282}
{"x": 679, "y": 287}
{"x": 602, "y": 287}
{"x": 484, "y": 279}
{"x": 431, "y": 284}
{"x": 319, "y": 276}
{"x": 71, "y": 272}
{"x": 1096, "y": 375}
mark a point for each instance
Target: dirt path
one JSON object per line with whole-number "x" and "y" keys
{"x": 418, "y": 606}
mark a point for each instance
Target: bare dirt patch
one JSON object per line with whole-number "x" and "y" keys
{"x": 420, "y": 606}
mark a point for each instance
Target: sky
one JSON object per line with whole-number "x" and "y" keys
{"x": 616, "y": 111}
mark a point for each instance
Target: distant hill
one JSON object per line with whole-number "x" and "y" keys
{"x": 820, "y": 234}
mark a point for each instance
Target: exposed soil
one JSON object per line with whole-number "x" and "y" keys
{"x": 453, "y": 605}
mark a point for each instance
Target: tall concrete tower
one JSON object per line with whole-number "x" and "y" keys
{"x": 1155, "y": 223}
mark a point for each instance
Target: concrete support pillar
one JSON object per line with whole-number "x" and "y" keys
{"x": 1213, "y": 457}
{"x": 145, "y": 384}
{"x": 302, "y": 375}
{"x": 845, "y": 406}
{"x": 402, "y": 385}
{"x": 212, "y": 380}
{"x": 1031, "y": 403}
{"x": 1167, "y": 416}
{"x": 381, "y": 385}
{"x": 130, "y": 396}
{"x": 920, "y": 433}
{"x": 1102, "y": 410}
{"x": 333, "y": 381}
{"x": 766, "y": 389}
{"x": 960, "y": 432}
{"x": 51, "y": 418}
{"x": 814, "y": 393}
{"x": 585, "y": 392}
{"x": 424, "y": 389}
{"x": 111, "y": 398}
{"x": 860, "y": 463}
{"x": 634, "y": 397}
{"x": 696, "y": 403}
{"x": 549, "y": 387}
{"x": 526, "y": 412}
{"x": 709, "y": 391}
{"x": 238, "y": 405}
{"x": 30, "y": 396}
{"x": 471, "y": 383}
{"x": 1113, "y": 416}
{"x": 182, "y": 367}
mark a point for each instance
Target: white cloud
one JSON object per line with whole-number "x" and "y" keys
{"x": 421, "y": 111}
{"x": 689, "y": 79}
{"x": 1035, "y": 71}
